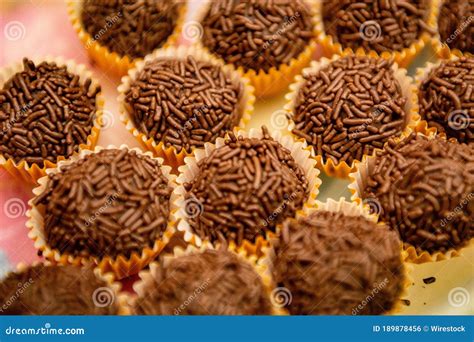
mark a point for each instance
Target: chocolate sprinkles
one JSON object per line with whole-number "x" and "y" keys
{"x": 114, "y": 202}
{"x": 446, "y": 98}
{"x": 257, "y": 35}
{"x": 425, "y": 188}
{"x": 131, "y": 28}
{"x": 245, "y": 188}
{"x": 184, "y": 103}
{"x": 349, "y": 108}
{"x": 218, "y": 283}
{"x": 379, "y": 25}
{"x": 45, "y": 113}
{"x": 456, "y": 25}
{"x": 331, "y": 263}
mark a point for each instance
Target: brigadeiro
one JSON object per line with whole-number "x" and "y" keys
{"x": 446, "y": 97}
{"x": 181, "y": 98}
{"x": 455, "y": 28}
{"x": 423, "y": 188}
{"x": 347, "y": 107}
{"x": 332, "y": 263}
{"x": 116, "y": 33}
{"x": 111, "y": 206}
{"x": 205, "y": 282}
{"x": 240, "y": 189}
{"x": 270, "y": 41}
{"x": 48, "y": 110}
{"x": 59, "y": 290}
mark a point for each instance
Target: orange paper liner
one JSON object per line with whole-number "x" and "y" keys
{"x": 403, "y": 58}
{"x": 276, "y": 80}
{"x": 170, "y": 154}
{"x": 442, "y": 50}
{"x": 120, "y": 265}
{"x": 299, "y": 151}
{"x": 349, "y": 209}
{"x": 148, "y": 276}
{"x": 106, "y": 59}
{"x": 358, "y": 179}
{"x": 30, "y": 173}
{"x": 342, "y": 169}
{"x": 119, "y": 297}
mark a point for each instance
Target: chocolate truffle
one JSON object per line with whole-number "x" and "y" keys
{"x": 46, "y": 112}
{"x": 456, "y": 24}
{"x": 114, "y": 202}
{"x": 446, "y": 98}
{"x": 350, "y": 107}
{"x": 244, "y": 189}
{"x": 425, "y": 189}
{"x": 334, "y": 264}
{"x": 207, "y": 283}
{"x": 257, "y": 35}
{"x": 379, "y": 25}
{"x": 184, "y": 103}
{"x": 131, "y": 28}
{"x": 56, "y": 290}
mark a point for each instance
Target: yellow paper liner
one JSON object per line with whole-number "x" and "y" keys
{"x": 170, "y": 154}
{"x": 421, "y": 75}
{"x": 403, "y": 58}
{"x": 442, "y": 50}
{"x": 349, "y": 209}
{"x": 299, "y": 151}
{"x": 276, "y": 80}
{"x": 148, "y": 276}
{"x": 30, "y": 173}
{"x": 111, "y": 61}
{"x": 358, "y": 178}
{"x": 120, "y": 299}
{"x": 121, "y": 265}
{"x": 342, "y": 169}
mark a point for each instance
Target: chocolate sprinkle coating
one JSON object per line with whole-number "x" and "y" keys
{"x": 54, "y": 290}
{"x": 131, "y": 28}
{"x": 379, "y": 25}
{"x": 257, "y": 34}
{"x": 456, "y": 26}
{"x": 244, "y": 189}
{"x": 207, "y": 283}
{"x": 334, "y": 264}
{"x": 114, "y": 202}
{"x": 425, "y": 189}
{"x": 349, "y": 108}
{"x": 45, "y": 113}
{"x": 446, "y": 99}
{"x": 184, "y": 103}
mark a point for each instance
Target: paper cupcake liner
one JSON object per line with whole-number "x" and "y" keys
{"x": 276, "y": 80}
{"x": 31, "y": 172}
{"x": 299, "y": 151}
{"x": 358, "y": 181}
{"x": 119, "y": 297}
{"x": 170, "y": 154}
{"x": 402, "y": 58}
{"x": 147, "y": 277}
{"x": 342, "y": 169}
{"x": 349, "y": 209}
{"x": 106, "y": 59}
{"x": 121, "y": 265}
{"x": 442, "y": 50}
